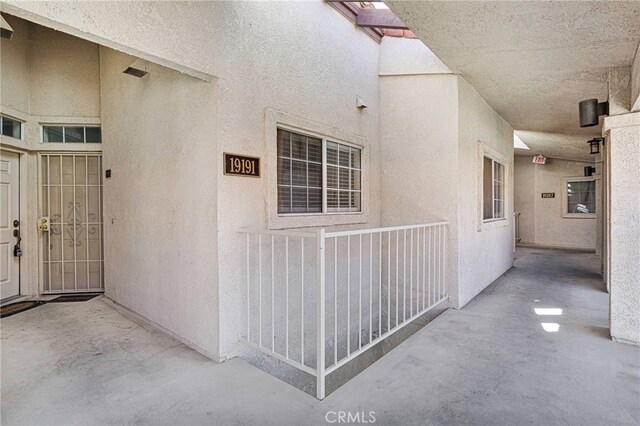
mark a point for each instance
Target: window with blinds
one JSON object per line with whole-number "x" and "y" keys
{"x": 343, "y": 178}
{"x": 302, "y": 187}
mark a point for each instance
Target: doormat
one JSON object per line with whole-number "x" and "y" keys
{"x": 14, "y": 308}
{"x": 74, "y": 298}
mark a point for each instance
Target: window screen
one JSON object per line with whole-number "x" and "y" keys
{"x": 581, "y": 196}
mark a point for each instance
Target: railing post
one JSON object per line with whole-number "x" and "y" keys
{"x": 320, "y": 317}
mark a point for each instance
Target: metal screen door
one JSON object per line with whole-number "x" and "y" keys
{"x": 72, "y": 199}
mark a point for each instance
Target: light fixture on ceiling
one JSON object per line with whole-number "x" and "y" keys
{"x": 589, "y": 170}
{"x": 138, "y": 69}
{"x": 590, "y": 110}
{"x": 594, "y": 145}
{"x": 5, "y": 29}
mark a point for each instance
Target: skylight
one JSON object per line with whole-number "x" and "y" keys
{"x": 518, "y": 143}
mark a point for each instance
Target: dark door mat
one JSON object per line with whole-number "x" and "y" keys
{"x": 75, "y": 298}
{"x": 15, "y": 308}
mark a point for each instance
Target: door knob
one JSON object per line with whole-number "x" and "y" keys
{"x": 16, "y": 223}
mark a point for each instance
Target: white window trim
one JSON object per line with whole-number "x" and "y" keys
{"x": 482, "y": 223}
{"x": 275, "y": 120}
{"x": 565, "y": 198}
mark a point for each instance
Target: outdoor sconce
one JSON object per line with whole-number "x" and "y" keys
{"x": 137, "y": 69}
{"x": 589, "y": 170}
{"x": 590, "y": 110}
{"x": 5, "y": 29}
{"x": 594, "y": 145}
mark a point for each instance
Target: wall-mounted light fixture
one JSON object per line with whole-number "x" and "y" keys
{"x": 138, "y": 69}
{"x": 594, "y": 145}
{"x": 589, "y": 170}
{"x": 590, "y": 110}
{"x": 5, "y": 29}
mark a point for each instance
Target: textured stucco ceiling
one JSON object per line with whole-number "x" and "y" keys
{"x": 533, "y": 61}
{"x": 555, "y": 145}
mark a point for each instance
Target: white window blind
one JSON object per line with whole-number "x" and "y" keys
{"x": 343, "y": 178}
{"x": 300, "y": 175}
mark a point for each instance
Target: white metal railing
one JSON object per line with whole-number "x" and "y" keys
{"x": 516, "y": 231}
{"x": 316, "y": 300}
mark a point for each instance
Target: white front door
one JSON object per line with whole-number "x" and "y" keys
{"x": 9, "y": 224}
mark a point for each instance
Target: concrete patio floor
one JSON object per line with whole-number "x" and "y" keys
{"x": 489, "y": 363}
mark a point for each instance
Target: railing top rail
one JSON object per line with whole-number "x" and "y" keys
{"x": 385, "y": 229}
{"x": 282, "y": 233}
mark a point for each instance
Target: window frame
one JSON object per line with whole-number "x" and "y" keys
{"x": 21, "y": 122}
{"x": 325, "y": 211}
{"x": 274, "y": 118}
{"x": 493, "y": 217}
{"x": 484, "y": 150}
{"x": 63, "y": 126}
{"x": 565, "y": 197}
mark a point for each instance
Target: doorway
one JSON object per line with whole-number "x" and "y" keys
{"x": 71, "y": 199}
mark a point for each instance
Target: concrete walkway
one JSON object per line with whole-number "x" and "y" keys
{"x": 489, "y": 363}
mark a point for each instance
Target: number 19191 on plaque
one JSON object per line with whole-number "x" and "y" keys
{"x": 241, "y": 165}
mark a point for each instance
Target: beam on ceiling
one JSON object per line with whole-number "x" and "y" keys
{"x": 379, "y": 18}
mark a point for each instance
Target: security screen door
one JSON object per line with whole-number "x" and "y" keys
{"x": 72, "y": 199}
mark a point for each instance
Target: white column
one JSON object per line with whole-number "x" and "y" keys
{"x": 623, "y": 217}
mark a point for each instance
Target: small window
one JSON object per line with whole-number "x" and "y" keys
{"x": 579, "y": 197}
{"x": 11, "y": 127}
{"x": 71, "y": 134}
{"x": 301, "y": 172}
{"x": 493, "y": 189}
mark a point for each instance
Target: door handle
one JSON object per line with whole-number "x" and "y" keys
{"x": 17, "y": 251}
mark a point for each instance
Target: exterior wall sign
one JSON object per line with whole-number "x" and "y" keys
{"x": 539, "y": 159}
{"x": 241, "y": 165}
{"x": 548, "y": 195}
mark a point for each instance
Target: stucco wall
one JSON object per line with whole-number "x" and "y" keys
{"x": 484, "y": 253}
{"x": 160, "y": 203}
{"x": 624, "y": 227}
{"x": 541, "y": 219}
{"x": 65, "y": 74}
{"x": 419, "y": 143}
{"x": 524, "y": 197}
{"x": 14, "y": 67}
{"x": 403, "y": 56}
